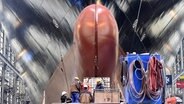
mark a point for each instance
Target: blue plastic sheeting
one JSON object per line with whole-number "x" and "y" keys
{"x": 137, "y": 76}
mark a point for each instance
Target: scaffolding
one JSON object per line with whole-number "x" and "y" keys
{"x": 12, "y": 87}
{"x": 91, "y": 82}
{"x": 177, "y": 72}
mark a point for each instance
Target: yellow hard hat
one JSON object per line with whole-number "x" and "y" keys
{"x": 98, "y": 80}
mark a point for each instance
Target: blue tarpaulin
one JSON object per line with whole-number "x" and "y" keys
{"x": 137, "y": 76}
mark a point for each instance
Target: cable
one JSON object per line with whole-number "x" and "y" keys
{"x": 134, "y": 24}
{"x": 60, "y": 53}
{"x": 155, "y": 80}
{"x": 137, "y": 75}
{"x": 137, "y": 96}
{"x": 152, "y": 80}
{"x": 139, "y": 11}
{"x": 65, "y": 74}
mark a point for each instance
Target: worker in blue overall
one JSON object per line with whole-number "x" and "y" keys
{"x": 99, "y": 85}
{"x": 75, "y": 90}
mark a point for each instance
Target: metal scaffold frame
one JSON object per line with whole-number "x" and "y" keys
{"x": 178, "y": 70}
{"x": 12, "y": 87}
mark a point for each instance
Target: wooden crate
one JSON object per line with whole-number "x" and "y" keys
{"x": 107, "y": 96}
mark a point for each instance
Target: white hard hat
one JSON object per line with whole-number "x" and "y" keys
{"x": 63, "y": 93}
{"x": 76, "y": 78}
{"x": 86, "y": 86}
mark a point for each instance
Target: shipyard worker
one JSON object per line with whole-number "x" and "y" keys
{"x": 65, "y": 98}
{"x": 85, "y": 96}
{"x": 75, "y": 90}
{"x": 99, "y": 85}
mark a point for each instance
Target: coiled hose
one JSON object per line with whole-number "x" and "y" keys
{"x": 155, "y": 82}
{"x": 137, "y": 96}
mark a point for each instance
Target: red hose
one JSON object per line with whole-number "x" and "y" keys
{"x": 155, "y": 79}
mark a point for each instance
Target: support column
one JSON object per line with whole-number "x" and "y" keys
{"x": 3, "y": 69}
{"x": 181, "y": 56}
{"x": 182, "y": 67}
{"x": 172, "y": 85}
{"x": 14, "y": 90}
{"x": 2, "y": 83}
